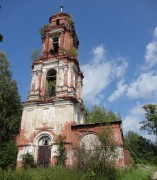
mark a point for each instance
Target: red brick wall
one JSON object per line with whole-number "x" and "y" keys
{"x": 127, "y": 157}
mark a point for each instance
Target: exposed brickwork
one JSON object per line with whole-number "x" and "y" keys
{"x": 127, "y": 157}
{"x": 62, "y": 113}
{"x": 73, "y": 134}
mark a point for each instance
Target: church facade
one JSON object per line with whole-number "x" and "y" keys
{"x": 54, "y": 105}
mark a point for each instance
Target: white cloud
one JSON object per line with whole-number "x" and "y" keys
{"x": 99, "y": 54}
{"x": 151, "y": 52}
{"x": 121, "y": 88}
{"x": 99, "y": 73}
{"x": 150, "y": 137}
{"x": 132, "y": 122}
{"x": 120, "y": 69}
{"x": 144, "y": 87}
{"x": 155, "y": 32}
{"x": 137, "y": 111}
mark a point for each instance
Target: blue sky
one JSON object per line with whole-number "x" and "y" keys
{"x": 117, "y": 52}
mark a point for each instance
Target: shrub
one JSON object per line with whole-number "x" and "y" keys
{"x": 42, "y": 30}
{"x": 35, "y": 54}
{"x": 61, "y": 157}
{"x": 28, "y": 161}
{"x": 73, "y": 52}
{"x": 101, "y": 159}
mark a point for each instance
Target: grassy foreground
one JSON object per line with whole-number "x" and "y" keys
{"x": 58, "y": 173}
{"x": 50, "y": 173}
{"x": 138, "y": 173}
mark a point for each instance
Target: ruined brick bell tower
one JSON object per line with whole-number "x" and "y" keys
{"x": 54, "y": 102}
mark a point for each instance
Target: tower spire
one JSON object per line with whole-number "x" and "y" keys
{"x": 61, "y": 8}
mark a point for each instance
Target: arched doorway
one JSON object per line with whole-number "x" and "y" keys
{"x": 44, "y": 151}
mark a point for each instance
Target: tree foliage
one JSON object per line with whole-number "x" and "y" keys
{"x": 141, "y": 149}
{"x": 99, "y": 114}
{"x": 150, "y": 124}
{"x": 10, "y": 106}
{"x": 8, "y": 155}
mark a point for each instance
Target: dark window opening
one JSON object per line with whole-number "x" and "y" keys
{"x": 55, "y": 45}
{"x": 46, "y": 143}
{"x": 57, "y": 22}
{"x": 51, "y": 83}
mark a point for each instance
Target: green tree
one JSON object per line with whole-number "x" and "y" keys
{"x": 99, "y": 114}
{"x": 142, "y": 150}
{"x": 150, "y": 124}
{"x": 8, "y": 155}
{"x": 10, "y": 106}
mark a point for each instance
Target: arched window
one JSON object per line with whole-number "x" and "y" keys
{"x": 55, "y": 45}
{"x": 51, "y": 82}
{"x": 90, "y": 141}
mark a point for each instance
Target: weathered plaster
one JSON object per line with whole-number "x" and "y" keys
{"x": 63, "y": 113}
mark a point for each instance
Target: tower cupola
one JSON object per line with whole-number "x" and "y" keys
{"x": 59, "y": 37}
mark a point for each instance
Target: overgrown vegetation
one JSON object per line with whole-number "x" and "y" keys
{"x": 49, "y": 173}
{"x": 43, "y": 29}
{"x": 28, "y": 161}
{"x": 10, "y": 114}
{"x": 51, "y": 88}
{"x": 51, "y": 85}
{"x": 60, "y": 173}
{"x": 142, "y": 150}
{"x": 71, "y": 21}
{"x": 61, "y": 157}
{"x": 73, "y": 52}
{"x": 137, "y": 172}
{"x": 99, "y": 158}
{"x": 99, "y": 114}
{"x": 35, "y": 54}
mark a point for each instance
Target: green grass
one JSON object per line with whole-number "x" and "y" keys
{"x": 58, "y": 173}
{"x": 138, "y": 173}
{"x": 51, "y": 173}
